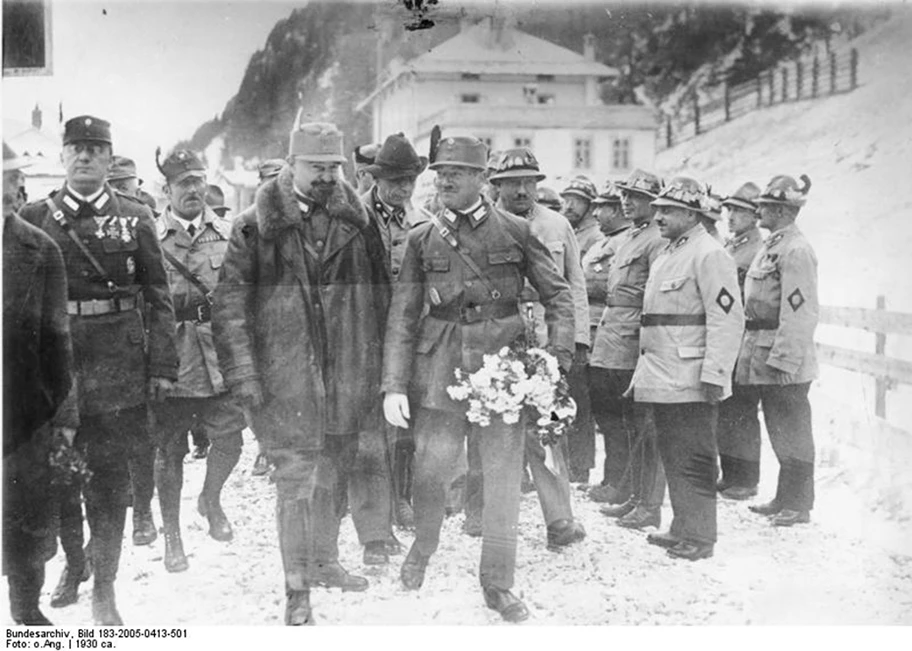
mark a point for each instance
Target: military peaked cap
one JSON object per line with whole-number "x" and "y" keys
{"x": 86, "y": 127}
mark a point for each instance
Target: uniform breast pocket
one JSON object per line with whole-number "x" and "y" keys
{"x": 112, "y": 245}
{"x": 672, "y": 284}
{"x": 437, "y": 264}
{"x": 504, "y": 256}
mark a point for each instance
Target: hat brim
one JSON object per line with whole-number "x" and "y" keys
{"x": 220, "y": 210}
{"x": 602, "y": 201}
{"x": 665, "y": 201}
{"x": 320, "y": 158}
{"x": 380, "y": 171}
{"x": 577, "y": 193}
{"x": 17, "y": 163}
{"x": 778, "y": 202}
{"x": 118, "y": 177}
{"x": 70, "y": 141}
{"x": 733, "y": 202}
{"x": 180, "y": 177}
{"x": 517, "y": 174}
{"x": 434, "y": 166}
{"x": 627, "y": 188}
{"x": 715, "y": 216}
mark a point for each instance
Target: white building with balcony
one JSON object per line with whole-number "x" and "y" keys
{"x": 511, "y": 89}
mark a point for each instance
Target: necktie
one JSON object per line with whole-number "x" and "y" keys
{"x": 191, "y": 230}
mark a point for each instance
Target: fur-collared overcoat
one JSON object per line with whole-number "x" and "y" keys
{"x": 313, "y": 341}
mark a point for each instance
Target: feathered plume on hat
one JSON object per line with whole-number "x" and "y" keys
{"x": 158, "y": 151}
{"x": 435, "y": 141}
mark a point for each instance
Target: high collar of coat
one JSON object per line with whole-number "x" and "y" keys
{"x": 277, "y": 207}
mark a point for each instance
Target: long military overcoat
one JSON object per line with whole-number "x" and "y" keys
{"x": 313, "y": 342}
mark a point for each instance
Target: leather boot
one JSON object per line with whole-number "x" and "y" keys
{"x": 144, "y": 532}
{"x": 642, "y": 517}
{"x": 297, "y": 608}
{"x": 24, "y": 593}
{"x": 104, "y": 607}
{"x": 260, "y": 465}
{"x": 67, "y": 590}
{"x": 218, "y": 467}
{"x": 619, "y": 510}
{"x": 293, "y": 520}
{"x": 405, "y": 514}
{"x": 169, "y": 477}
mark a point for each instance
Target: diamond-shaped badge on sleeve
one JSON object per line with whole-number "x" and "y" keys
{"x": 725, "y": 300}
{"x": 796, "y": 299}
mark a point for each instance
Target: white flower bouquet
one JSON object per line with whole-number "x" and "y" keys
{"x": 517, "y": 380}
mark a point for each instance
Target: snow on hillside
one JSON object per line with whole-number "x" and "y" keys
{"x": 857, "y": 150}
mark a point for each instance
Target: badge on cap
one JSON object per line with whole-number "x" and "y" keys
{"x": 88, "y": 122}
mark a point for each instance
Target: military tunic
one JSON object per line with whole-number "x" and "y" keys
{"x": 777, "y": 360}
{"x": 743, "y": 248}
{"x": 443, "y": 317}
{"x": 588, "y": 234}
{"x": 596, "y": 263}
{"x": 394, "y": 225}
{"x": 692, "y": 321}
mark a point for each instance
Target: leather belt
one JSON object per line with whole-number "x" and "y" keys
{"x": 621, "y": 303}
{"x": 647, "y": 320}
{"x": 198, "y": 313}
{"x": 761, "y": 324}
{"x": 101, "y": 306}
{"x": 463, "y": 314}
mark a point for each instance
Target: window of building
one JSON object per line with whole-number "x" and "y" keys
{"x": 470, "y": 98}
{"x": 545, "y": 77}
{"x": 487, "y": 140}
{"x": 471, "y": 76}
{"x": 546, "y": 98}
{"x": 582, "y": 153}
{"x": 621, "y": 153}
{"x": 522, "y": 141}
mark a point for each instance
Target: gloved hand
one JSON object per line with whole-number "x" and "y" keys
{"x": 159, "y": 388}
{"x": 396, "y": 409}
{"x": 248, "y": 394}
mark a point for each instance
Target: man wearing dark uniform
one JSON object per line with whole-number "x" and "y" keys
{"x": 37, "y": 377}
{"x": 115, "y": 276}
{"x": 194, "y": 240}
{"x": 456, "y": 299}
{"x": 778, "y": 361}
{"x": 738, "y": 429}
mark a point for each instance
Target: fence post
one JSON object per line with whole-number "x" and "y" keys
{"x": 815, "y": 71}
{"x": 668, "y": 132}
{"x": 880, "y": 384}
{"x": 696, "y": 107}
{"x": 854, "y": 68}
{"x": 770, "y": 98}
{"x": 785, "y": 84}
{"x": 799, "y": 78}
{"x": 832, "y": 72}
{"x": 727, "y": 101}
{"x": 759, "y": 92}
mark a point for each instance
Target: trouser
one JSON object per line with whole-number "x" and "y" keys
{"x": 109, "y": 440}
{"x": 295, "y": 477}
{"x": 738, "y": 435}
{"x": 581, "y": 434}
{"x": 142, "y": 473}
{"x": 688, "y": 449}
{"x": 787, "y": 414}
{"x": 401, "y": 446}
{"x": 370, "y": 484}
{"x": 26, "y": 521}
{"x": 647, "y": 474}
{"x": 614, "y": 415}
{"x": 348, "y": 465}
{"x": 440, "y": 437}
{"x": 222, "y": 420}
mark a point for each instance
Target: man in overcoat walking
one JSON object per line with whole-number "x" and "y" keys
{"x": 298, "y": 324}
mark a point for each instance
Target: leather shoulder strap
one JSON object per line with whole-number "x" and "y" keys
{"x": 183, "y": 271}
{"x": 64, "y": 223}
{"x": 450, "y": 238}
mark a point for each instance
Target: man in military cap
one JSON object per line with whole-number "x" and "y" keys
{"x": 577, "y": 207}
{"x": 617, "y": 349}
{"x": 123, "y": 178}
{"x": 738, "y": 430}
{"x": 194, "y": 240}
{"x": 516, "y": 176}
{"x": 395, "y": 170}
{"x": 692, "y": 322}
{"x": 777, "y": 360}
{"x": 362, "y": 156}
{"x": 299, "y": 315}
{"x": 607, "y": 406}
{"x": 711, "y": 214}
{"x": 456, "y": 300}
{"x": 122, "y": 323}
{"x": 37, "y": 377}
{"x": 548, "y": 198}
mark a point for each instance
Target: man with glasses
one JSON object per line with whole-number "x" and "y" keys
{"x": 194, "y": 240}
{"x": 122, "y": 323}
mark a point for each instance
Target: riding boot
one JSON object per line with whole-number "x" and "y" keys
{"x": 296, "y": 546}
{"x": 106, "y": 521}
{"x": 142, "y": 465}
{"x": 169, "y": 478}
{"x": 404, "y": 459}
{"x": 219, "y": 465}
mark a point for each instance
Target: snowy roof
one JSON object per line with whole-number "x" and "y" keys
{"x": 35, "y": 142}
{"x": 486, "y": 50}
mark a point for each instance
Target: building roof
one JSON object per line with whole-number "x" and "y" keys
{"x": 486, "y": 49}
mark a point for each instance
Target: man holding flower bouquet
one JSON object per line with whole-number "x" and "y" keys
{"x": 457, "y": 300}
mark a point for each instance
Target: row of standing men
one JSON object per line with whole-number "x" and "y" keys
{"x": 312, "y": 251}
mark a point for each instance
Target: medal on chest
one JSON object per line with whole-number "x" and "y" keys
{"x": 116, "y": 228}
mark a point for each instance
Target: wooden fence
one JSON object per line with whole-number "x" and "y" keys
{"x": 808, "y": 77}
{"x": 886, "y": 371}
